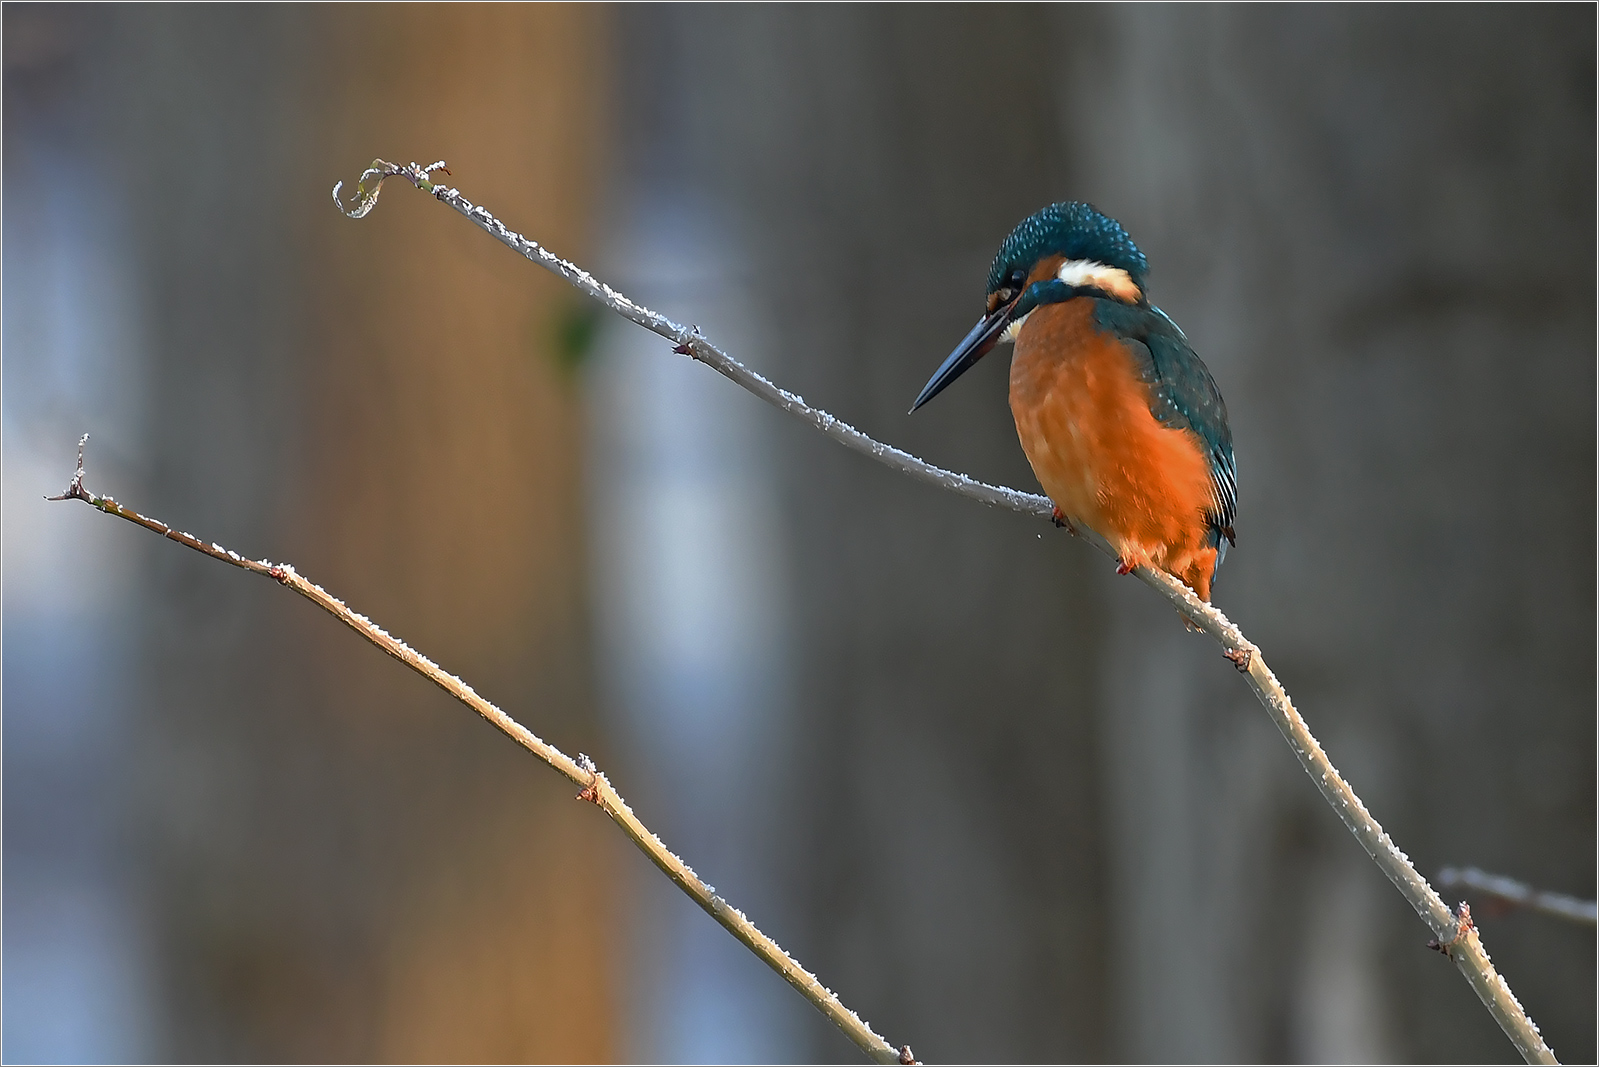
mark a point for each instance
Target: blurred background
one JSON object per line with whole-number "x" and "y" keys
{"x": 991, "y": 794}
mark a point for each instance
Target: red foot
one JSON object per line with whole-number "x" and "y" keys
{"x": 1062, "y": 521}
{"x": 1123, "y": 567}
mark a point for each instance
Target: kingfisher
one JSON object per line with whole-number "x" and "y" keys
{"x": 1121, "y": 421}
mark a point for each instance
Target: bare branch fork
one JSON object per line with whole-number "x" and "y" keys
{"x": 1454, "y": 932}
{"x": 596, "y": 788}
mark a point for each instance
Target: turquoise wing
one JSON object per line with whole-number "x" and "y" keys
{"x": 1183, "y": 396}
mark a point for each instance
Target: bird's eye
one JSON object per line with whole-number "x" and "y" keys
{"x": 1017, "y": 277}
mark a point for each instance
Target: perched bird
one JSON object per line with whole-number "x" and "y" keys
{"x": 1123, "y": 424}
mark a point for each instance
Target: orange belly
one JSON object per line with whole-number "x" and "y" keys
{"x": 1083, "y": 417}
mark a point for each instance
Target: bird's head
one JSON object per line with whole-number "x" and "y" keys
{"x": 1067, "y": 249}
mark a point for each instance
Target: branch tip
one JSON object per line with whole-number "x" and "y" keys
{"x": 367, "y": 199}
{"x": 75, "y": 489}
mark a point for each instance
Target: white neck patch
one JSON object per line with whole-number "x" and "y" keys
{"x": 1113, "y": 280}
{"x": 1013, "y": 328}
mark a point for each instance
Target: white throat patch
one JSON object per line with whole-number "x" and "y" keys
{"x": 1013, "y": 328}
{"x": 1113, "y": 280}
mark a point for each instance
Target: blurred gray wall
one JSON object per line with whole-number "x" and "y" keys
{"x": 1036, "y": 820}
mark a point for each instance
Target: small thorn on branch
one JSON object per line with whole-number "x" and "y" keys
{"x": 1463, "y": 926}
{"x": 590, "y": 792}
{"x": 1241, "y": 658}
{"x": 686, "y": 348}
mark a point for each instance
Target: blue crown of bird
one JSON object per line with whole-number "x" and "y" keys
{"x": 1120, "y": 419}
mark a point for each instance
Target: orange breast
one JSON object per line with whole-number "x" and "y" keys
{"x": 1083, "y": 418}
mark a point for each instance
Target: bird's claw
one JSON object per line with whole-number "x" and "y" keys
{"x": 1061, "y": 521}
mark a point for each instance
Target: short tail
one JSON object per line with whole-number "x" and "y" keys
{"x": 1221, "y": 537}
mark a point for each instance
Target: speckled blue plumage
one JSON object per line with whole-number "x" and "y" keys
{"x": 1072, "y": 229}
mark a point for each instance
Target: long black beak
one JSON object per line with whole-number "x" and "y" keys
{"x": 984, "y": 336}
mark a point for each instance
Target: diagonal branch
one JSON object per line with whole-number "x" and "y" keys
{"x": 596, "y": 788}
{"x": 1509, "y": 893}
{"x": 1454, "y": 932}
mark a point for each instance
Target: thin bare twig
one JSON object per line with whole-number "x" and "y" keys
{"x": 596, "y": 788}
{"x": 1511, "y": 893}
{"x": 1450, "y": 930}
